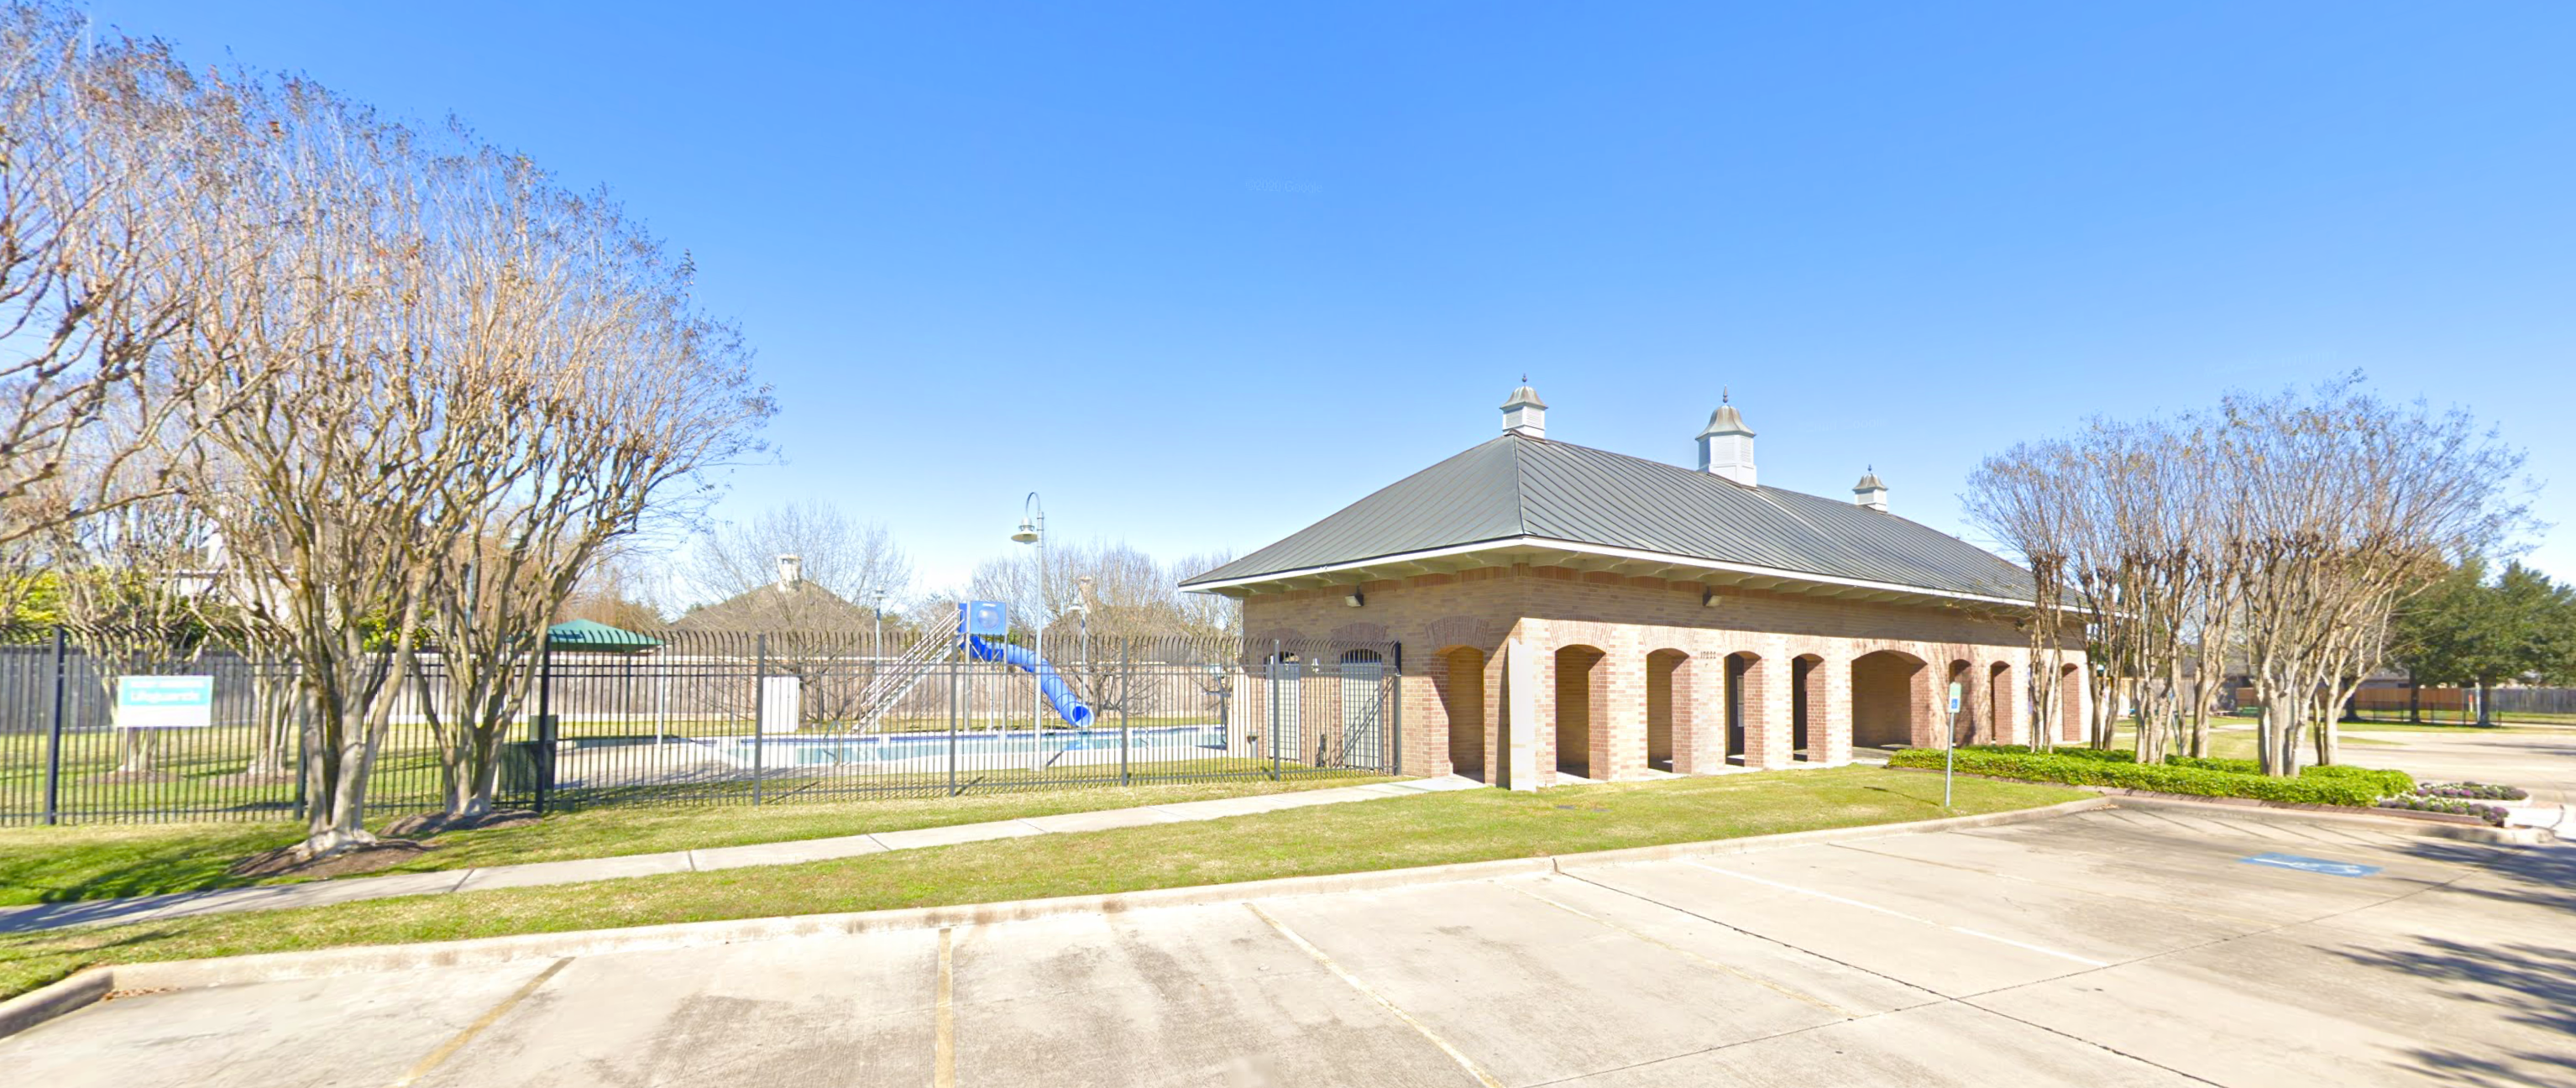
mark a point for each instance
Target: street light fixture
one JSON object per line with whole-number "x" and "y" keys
{"x": 880, "y": 641}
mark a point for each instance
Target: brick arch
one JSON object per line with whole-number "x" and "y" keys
{"x": 1965, "y": 674}
{"x": 1459, "y": 682}
{"x": 1891, "y": 696}
{"x": 2002, "y": 704}
{"x": 1740, "y": 702}
{"x": 2070, "y": 704}
{"x": 1581, "y": 701}
{"x": 1807, "y": 701}
{"x": 1671, "y": 740}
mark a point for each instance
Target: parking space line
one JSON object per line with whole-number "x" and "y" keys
{"x": 2024, "y": 945}
{"x": 1747, "y": 976}
{"x": 943, "y": 1029}
{"x": 2157, "y": 904}
{"x": 491, "y": 1016}
{"x": 1308, "y": 947}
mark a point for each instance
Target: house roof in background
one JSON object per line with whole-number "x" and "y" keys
{"x": 1514, "y": 488}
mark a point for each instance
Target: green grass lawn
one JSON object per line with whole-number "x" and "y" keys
{"x": 57, "y": 864}
{"x": 2234, "y": 738}
{"x": 1433, "y": 829}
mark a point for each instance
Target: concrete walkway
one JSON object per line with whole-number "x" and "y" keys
{"x": 351, "y": 889}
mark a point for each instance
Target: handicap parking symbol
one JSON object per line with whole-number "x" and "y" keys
{"x": 2311, "y": 865}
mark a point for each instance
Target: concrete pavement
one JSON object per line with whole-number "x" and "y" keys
{"x": 2123, "y": 947}
{"x": 351, "y": 889}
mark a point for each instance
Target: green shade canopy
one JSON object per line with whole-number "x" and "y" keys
{"x": 597, "y": 637}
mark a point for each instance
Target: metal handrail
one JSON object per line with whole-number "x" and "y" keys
{"x": 889, "y": 687}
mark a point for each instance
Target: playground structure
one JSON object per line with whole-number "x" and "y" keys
{"x": 1059, "y": 695}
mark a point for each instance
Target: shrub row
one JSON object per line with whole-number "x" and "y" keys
{"x": 2074, "y": 770}
{"x": 2385, "y": 782}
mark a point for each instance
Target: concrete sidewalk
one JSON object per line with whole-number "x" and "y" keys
{"x": 352, "y": 889}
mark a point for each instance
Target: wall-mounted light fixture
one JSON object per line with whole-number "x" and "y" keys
{"x": 1355, "y": 600}
{"x": 1708, "y": 598}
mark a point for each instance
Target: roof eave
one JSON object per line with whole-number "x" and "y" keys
{"x": 1456, "y": 557}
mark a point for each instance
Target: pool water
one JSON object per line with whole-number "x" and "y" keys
{"x": 1163, "y": 741}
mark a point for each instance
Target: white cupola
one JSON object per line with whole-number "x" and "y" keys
{"x": 790, "y": 572}
{"x": 1871, "y": 492}
{"x": 1525, "y": 414}
{"x": 1726, "y": 447}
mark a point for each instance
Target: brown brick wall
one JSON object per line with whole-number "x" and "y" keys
{"x": 1452, "y": 626}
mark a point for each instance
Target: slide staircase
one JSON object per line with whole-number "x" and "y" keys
{"x": 896, "y": 679}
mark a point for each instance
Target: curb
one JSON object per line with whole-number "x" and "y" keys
{"x": 88, "y": 986}
{"x": 2396, "y": 825}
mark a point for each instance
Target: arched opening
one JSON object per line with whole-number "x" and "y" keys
{"x": 1739, "y": 669}
{"x": 1363, "y": 683}
{"x": 2070, "y": 704}
{"x": 1462, "y": 697}
{"x": 1668, "y": 702}
{"x": 1962, "y": 726}
{"x": 2000, "y": 727}
{"x": 1577, "y": 695}
{"x": 1806, "y": 701}
{"x": 1888, "y": 698}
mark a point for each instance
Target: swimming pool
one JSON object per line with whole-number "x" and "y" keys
{"x": 1159, "y": 742}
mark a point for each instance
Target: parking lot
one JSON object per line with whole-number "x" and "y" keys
{"x": 2134, "y": 946}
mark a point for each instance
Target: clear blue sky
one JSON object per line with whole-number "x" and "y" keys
{"x": 1203, "y": 273}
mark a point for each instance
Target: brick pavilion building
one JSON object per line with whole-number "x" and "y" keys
{"x": 1562, "y": 613}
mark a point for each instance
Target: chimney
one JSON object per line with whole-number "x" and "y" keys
{"x": 1525, "y": 414}
{"x": 1870, "y": 492}
{"x": 1726, "y": 447}
{"x": 790, "y": 572}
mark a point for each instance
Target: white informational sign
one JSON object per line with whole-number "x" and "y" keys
{"x": 782, "y": 704}
{"x": 1954, "y": 698}
{"x": 165, "y": 702}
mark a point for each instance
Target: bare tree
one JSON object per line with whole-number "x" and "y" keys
{"x": 848, "y": 558}
{"x": 115, "y": 168}
{"x": 2350, "y": 505}
{"x": 603, "y": 397}
{"x": 343, "y": 428}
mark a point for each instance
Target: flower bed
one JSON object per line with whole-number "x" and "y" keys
{"x": 2417, "y": 802}
{"x": 2473, "y": 791}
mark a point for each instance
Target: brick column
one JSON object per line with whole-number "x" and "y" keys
{"x": 1619, "y": 714}
{"x": 1526, "y": 685}
{"x": 1830, "y": 711}
{"x": 1768, "y": 741}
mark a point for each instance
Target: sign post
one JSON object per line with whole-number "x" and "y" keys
{"x": 1950, "y": 745}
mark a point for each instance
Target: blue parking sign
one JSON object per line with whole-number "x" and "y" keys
{"x": 986, "y": 617}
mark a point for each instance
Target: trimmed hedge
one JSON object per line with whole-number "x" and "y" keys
{"x": 2066, "y": 767}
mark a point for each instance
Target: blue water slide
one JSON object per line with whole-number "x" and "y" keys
{"x": 1058, "y": 693}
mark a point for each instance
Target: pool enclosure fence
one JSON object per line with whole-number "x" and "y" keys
{"x": 719, "y": 718}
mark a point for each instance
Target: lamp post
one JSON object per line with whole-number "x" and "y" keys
{"x": 879, "y": 645}
{"x": 1033, "y": 531}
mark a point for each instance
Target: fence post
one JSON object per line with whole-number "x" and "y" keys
{"x": 1126, "y": 688}
{"x": 545, "y": 725}
{"x": 54, "y": 736}
{"x": 759, "y": 715}
{"x": 1271, "y": 728}
{"x": 1395, "y": 712}
{"x": 303, "y": 754}
{"x": 956, "y": 676}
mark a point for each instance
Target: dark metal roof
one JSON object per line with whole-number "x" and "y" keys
{"x": 1514, "y": 486}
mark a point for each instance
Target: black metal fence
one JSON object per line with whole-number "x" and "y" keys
{"x": 726, "y": 718}
{"x": 2454, "y": 706}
